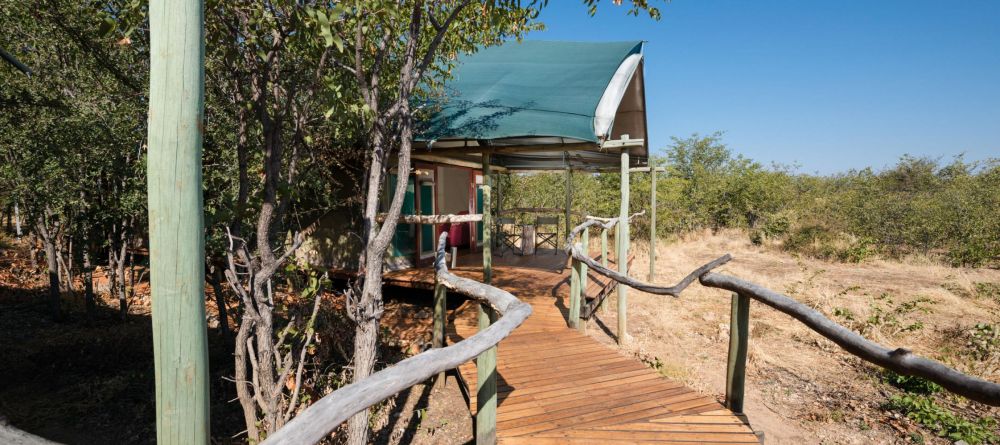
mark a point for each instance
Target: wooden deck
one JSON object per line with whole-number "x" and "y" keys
{"x": 556, "y": 385}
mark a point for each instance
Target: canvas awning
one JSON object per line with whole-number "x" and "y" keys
{"x": 540, "y": 105}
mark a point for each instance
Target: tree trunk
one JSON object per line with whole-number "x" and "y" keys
{"x": 215, "y": 278}
{"x": 365, "y": 348}
{"x": 52, "y": 263}
{"x": 244, "y": 384}
{"x": 17, "y": 221}
{"x": 88, "y": 285}
{"x": 120, "y": 281}
{"x": 65, "y": 266}
{"x": 33, "y": 252}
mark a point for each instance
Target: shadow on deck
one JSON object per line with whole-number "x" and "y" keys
{"x": 557, "y": 385}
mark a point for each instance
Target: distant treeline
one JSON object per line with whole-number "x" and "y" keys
{"x": 947, "y": 210}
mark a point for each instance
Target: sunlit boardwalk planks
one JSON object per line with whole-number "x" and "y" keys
{"x": 556, "y": 385}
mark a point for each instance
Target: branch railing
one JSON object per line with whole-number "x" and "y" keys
{"x": 319, "y": 420}
{"x": 899, "y": 360}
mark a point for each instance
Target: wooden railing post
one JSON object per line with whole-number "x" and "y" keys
{"x": 622, "y": 240}
{"x": 652, "y": 224}
{"x": 737, "y": 366}
{"x": 573, "y": 308}
{"x": 440, "y": 321}
{"x": 585, "y": 247}
{"x": 486, "y": 363}
{"x": 569, "y": 200}
{"x": 604, "y": 259}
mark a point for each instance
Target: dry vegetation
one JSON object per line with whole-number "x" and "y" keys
{"x": 801, "y": 387}
{"x": 80, "y": 381}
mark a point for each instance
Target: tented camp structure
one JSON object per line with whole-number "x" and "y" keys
{"x": 520, "y": 107}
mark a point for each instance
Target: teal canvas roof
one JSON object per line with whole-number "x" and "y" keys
{"x": 525, "y": 89}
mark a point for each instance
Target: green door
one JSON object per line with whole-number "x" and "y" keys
{"x": 427, "y": 208}
{"x": 479, "y": 210}
{"x": 405, "y": 239}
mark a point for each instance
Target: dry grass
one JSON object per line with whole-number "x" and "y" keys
{"x": 801, "y": 387}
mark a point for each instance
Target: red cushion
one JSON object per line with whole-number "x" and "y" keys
{"x": 458, "y": 234}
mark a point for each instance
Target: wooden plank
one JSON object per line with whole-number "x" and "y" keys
{"x": 680, "y": 427}
{"x": 596, "y": 406}
{"x": 563, "y": 391}
{"x": 653, "y": 435}
{"x": 533, "y": 440}
{"x": 676, "y": 404}
{"x": 581, "y": 400}
{"x": 635, "y": 411}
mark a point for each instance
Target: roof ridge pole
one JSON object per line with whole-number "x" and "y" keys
{"x": 176, "y": 227}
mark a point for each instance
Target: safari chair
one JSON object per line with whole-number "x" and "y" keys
{"x": 508, "y": 236}
{"x": 547, "y": 232}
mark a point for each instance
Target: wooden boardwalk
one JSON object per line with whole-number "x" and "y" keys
{"x": 556, "y": 385}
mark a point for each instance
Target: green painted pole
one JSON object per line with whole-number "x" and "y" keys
{"x": 621, "y": 238}
{"x": 176, "y": 229}
{"x": 486, "y": 363}
{"x": 652, "y": 224}
{"x": 585, "y": 242}
{"x": 604, "y": 260}
{"x": 736, "y": 368}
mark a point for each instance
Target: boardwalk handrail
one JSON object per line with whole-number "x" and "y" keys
{"x": 317, "y": 421}
{"x": 899, "y": 360}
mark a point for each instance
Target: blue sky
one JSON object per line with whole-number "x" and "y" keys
{"x": 827, "y": 86}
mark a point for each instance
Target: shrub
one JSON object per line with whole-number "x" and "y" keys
{"x": 987, "y": 290}
{"x": 858, "y": 251}
{"x": 942, "y": 421}
{"x": 911, "y": 384}
{"x": 984, "y": 341}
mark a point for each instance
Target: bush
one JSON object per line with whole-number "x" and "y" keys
{"x": 987, "y": 290}
{"x": 911, "y": 384}
{"x": 942, "y": 421}
{"x": 857, "y": 251}
{"x": 822, "y": 242}
{"x": 984, "y": 341}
